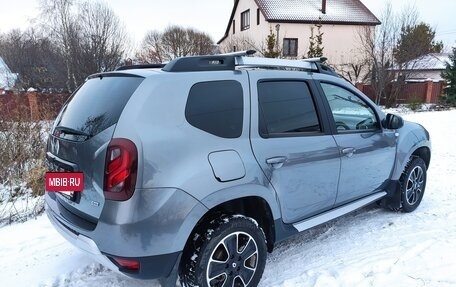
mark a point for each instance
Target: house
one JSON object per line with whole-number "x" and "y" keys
{"x": 427, "y": 67}
{"x": 7, "y": 79}
{"x": 252, "y": 21}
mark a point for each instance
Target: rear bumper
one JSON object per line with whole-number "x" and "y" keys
{"x": 80, "y": 241}
{"x": 152, "y": 228}
{"x": 151, "y": 267}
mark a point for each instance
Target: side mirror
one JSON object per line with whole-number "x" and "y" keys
{"x": 392, "y": 122}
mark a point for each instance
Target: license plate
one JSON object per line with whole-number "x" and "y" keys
{"x": 68, "y": 194}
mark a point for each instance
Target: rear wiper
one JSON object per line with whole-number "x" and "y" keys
{"x": 71, "y": 131}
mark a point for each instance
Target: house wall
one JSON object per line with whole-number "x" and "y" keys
{"x": 341, "y": 42}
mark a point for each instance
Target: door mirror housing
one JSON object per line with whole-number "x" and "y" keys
{"x": 392, "y": 122}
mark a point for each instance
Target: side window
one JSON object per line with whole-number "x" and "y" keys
{"x": 286, "y": 108}
{"x": 216, "y": 107}
{"x": 350, "y": 112}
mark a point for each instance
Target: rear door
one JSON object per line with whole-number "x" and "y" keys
{"x": 367, "y": 151}
{"x": 292, "y": 144}
{"x": 79, "y": 138}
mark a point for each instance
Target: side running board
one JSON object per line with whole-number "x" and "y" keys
{"x": 329, "y": 215}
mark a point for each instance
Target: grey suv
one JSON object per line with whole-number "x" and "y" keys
{"x": 197, "y": 168}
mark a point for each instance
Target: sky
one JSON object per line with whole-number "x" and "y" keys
{"x": 212, "y": 16}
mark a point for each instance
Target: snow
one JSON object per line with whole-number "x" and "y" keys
{"x": 18, "y": 204}
{"x": 370, "y": 247}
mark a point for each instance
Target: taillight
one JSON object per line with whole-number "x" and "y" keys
{"x": 120, "y": 169}
{"x": 127, "y": 263}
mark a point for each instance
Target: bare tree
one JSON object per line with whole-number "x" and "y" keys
{"x": 89, "y": 35}
{"x": 103, "y": 38}
{"x": 242, "y": 43}
{"x": 35, "y": 59}
{"x": 201, "y": 43}
{"x": 356, "y": 70}
{"x": 60, "y": 25}
{"x": 379, "y": 47}
{"x": 151, "y": 49}
{"x": 174, "y": 42}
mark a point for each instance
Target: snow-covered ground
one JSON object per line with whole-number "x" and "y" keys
{"x": 371, "y": 247}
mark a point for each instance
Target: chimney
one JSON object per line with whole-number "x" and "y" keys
{"x": 323, "y": 6}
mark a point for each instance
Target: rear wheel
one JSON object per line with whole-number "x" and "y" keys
{"x": 413, "y": 183}
{"x": 230, "y": 253}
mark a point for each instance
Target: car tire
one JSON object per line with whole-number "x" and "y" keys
{"x": 413, "y": 184}
{"x": 230, "y": 252}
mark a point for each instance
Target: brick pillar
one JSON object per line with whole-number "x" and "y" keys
{"x": 33, "y": 103}
{"x": 360, "y": 86}
{"x": 429, "y": 90}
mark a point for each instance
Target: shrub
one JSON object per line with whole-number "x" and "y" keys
{"x": 22, "y": 157}
{"x": 414, "y": 103}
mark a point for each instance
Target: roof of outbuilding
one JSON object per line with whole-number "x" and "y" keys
{"x": 337, "y": 11}
{"x": 431, "y": 61}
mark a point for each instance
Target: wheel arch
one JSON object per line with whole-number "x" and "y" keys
{"x": 249, "y": 200}
{"x": 413, "y": 141}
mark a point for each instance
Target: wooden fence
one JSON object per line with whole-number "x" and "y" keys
{"x": 424, "y": 92}
{"x": 30, "y": 105}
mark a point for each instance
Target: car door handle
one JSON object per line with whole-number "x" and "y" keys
{"x": 348, "y": 152}
{"x": 276, "y": 162}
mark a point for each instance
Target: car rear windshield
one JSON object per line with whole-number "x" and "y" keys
{"x": 97, "y": 104}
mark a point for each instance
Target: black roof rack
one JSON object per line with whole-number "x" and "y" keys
{"x": 142, "y": 66}
{"x": 230, "y": 61}
{"x": 220, "y": 62}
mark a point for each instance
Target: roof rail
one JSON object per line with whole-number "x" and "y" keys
{"x": 230, "y": 61}
{"x": 274, "y": 63}
{"x": 240, "y": 53}
{"x": 142, "y": 66}
{"x": 316, "y": 59}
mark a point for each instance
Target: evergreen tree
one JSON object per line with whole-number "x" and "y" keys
{"x": 449, "y": 74}
{"x": 415, "y": 41}
{"x": 315, "y": 42}
{"x": 271, "y": 46}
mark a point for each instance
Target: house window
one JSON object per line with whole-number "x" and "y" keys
{"x": 245, "y": 20}
{"x": 234, "y": 26}
{"x": 290, "y": 47}
{"x": 258, "y": 16}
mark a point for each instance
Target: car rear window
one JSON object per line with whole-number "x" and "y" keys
{"x": 98, "y": 103}
{"x": 216, "y": 107}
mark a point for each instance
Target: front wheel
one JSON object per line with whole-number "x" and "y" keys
{"x": 413, "y": 183}
{"x": 231, "y": 252}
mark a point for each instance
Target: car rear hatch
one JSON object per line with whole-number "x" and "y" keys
{"x": 79, "y": 139}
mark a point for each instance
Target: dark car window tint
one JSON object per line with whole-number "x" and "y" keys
{"x": 286, "y": 107}
{"x": 216, "y": 107}
{"x": 350, "y": 112}
{"x": 98, "y": 103}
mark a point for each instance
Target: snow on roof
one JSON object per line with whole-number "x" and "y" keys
{"x": 7, "y": 79}
{"x": 432, "y": 61}
{"x": 337, "y": 11}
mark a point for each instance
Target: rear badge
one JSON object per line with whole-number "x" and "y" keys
{"x": 95, "y": 203}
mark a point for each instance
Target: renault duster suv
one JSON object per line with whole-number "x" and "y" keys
{"x": 197, "y": 168}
